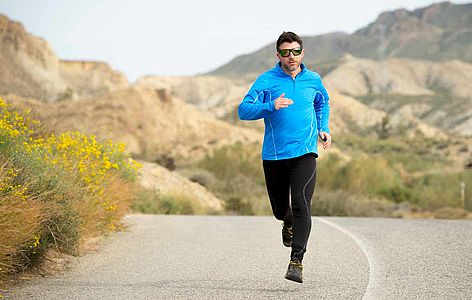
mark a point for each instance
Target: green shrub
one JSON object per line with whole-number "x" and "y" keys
{"x": 234, "y": 174}
{"x": 398, "y": 193}
{"x": 401, "y": 171}
{"x": 238, "y": 206}
{"x": 368, "y": 175}
{"x": 340, "y": 203}
{"x": 439, "y": 190}
{"x": 178, "y": 204}
{"x": 147, "y": 202}
{"x": 173, "y": 203}
{"x": 231, "y": 160}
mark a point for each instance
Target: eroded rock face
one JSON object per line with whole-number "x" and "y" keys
{"x": 30, "y": 68}
{"x": 88, "y": 78}
{"x": 216, "y": 94}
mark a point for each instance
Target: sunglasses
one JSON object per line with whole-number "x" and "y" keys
{"x": 294, "y": 51}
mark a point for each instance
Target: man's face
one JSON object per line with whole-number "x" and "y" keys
{"x": 291, "y": 62}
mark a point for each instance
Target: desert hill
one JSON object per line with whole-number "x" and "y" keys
{"x": 360, "y": 77}
{"x": 437, "y": 93}
{"x": 423, "y": 96}
{"x": 153, "y": 124}
{"x": 215, "y": 94}
{"x": 441, "y": 31}
{"x": 30, "y": 68}
{"x": 221, "y": 95}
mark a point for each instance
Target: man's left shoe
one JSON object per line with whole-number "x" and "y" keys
{"x": 287, "y": 235}
{"x": 295, "y": 271}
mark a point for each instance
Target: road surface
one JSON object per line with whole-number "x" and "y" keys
{"x": 237, "y": 257}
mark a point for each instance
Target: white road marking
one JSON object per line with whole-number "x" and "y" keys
{"x": 373, "y": 283}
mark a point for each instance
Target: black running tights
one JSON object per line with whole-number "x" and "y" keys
{"x": 293, "y": 179}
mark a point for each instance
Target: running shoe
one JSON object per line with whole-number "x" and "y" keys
{"x": 287, "y": 235}
{"x": 295, "y": 271}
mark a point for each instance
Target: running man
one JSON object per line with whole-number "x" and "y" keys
{"x": 295, "y": 107}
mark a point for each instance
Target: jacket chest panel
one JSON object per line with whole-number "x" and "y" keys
{"x": 298, "y": 91}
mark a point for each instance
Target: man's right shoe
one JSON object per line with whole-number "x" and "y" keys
{"x": 287, "y": 235}
{"x": 295, "y": 271}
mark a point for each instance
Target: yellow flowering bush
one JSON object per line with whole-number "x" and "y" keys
{"x": 67, "y": 186}
{"x": 12, "y": 124}
{"x": 85, "y": 156}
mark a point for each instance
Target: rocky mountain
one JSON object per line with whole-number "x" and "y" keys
{"x": 413, "y": 65}
{"x": 442, "y": 31}
{"x": 30, "y": 68}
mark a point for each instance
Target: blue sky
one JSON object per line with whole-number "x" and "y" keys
{"x": 176, "y": 37}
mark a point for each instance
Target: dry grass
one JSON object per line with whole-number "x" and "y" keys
{"x": 115, "y": 202}
{"x": 20, "y": 222}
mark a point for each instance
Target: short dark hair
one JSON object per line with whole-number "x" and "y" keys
{"x": 288, "y": 37}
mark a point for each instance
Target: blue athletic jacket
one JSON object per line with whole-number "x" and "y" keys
{"x": 291, "y": 131}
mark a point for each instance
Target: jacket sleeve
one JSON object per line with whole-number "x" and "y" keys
{"x": 321, "y": 105}
{"x": 257, "y": 103}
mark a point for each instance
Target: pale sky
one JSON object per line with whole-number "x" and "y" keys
{"x": 176, "y": 37}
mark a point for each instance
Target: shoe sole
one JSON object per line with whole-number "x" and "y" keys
{"x": 287, "y": 244}
{"x": 295, "y": 279}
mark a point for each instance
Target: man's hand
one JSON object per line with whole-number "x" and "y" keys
{"x": 282, "y": 102}
{"x": 326, "y": 137}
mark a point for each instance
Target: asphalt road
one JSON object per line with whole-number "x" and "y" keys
{"x": 221, "y": 257}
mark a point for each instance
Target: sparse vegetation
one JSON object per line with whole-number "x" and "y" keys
{"x": 385, "y": 128}
{"x": 324, "y": 67}
{"x": 385, "y": 177}
{"x": 416, "y": 154}
{"x": 234, "y": 173}
{"x": 374, "y": 176}
{"x": 441, "y": 110}
{"x": 152, "y": 202}
{"x": 342, "y": 203}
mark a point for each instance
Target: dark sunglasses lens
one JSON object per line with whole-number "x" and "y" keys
{"x": 297, "y": 52}
{"x": 284, "y": 52}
